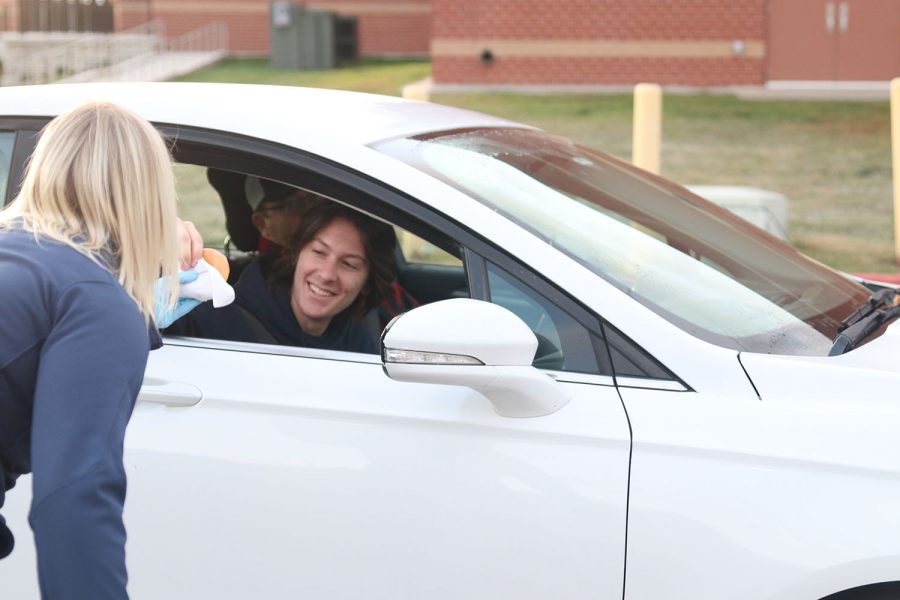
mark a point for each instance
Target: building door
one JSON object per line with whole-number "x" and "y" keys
{"x": 868, "y": 40}
{"x": 837, "y": 40}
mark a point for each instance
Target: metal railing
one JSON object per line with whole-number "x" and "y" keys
{"x": 134, "y": 54}
{"x": 209, "y": 38}
{"x": 177, "y": 55}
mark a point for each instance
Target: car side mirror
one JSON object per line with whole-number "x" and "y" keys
{"x": 475, "y": 344}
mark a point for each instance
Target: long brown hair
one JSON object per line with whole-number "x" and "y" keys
{"x": 379, "y": 242}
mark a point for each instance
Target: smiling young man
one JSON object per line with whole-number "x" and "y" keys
{"x": 329, "y": 276}
{"x": 339, "y": 265}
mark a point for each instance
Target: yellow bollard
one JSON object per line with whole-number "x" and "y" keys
{"x": 895, "y": 149}
{"x": 647, "y": 132}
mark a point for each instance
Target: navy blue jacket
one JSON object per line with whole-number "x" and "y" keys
{"x": 73, "y": 347}
{"x": 271, "y": 307}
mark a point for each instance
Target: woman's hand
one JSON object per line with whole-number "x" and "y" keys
{"x": 190, "y": 244}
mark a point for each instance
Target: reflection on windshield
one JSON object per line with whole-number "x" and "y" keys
{"x": 705, "y": 270}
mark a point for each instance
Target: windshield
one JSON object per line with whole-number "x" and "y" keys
{"x": 707, "y": 271}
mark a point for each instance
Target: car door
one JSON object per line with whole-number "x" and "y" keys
{"x": 311, "y": 473}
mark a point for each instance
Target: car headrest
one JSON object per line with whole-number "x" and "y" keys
{"x": 238, "y": 214}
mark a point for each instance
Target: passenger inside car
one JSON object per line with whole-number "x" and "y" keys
{"x": 337, "y": 266}
{"x": 275, "y": 210}
{"x": 261, "y": 215}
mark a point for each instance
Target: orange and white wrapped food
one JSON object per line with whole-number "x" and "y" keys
{"x": 211, "y": 283}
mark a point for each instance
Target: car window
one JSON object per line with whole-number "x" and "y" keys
{"x": 218, "y": 202}
{"x": 419, "y": 251}
{"x": 7, "y": 139}
{"x": 428, "y": 271}
{"x": 198, "y": 202}
{"x": 629, "y": 360}
{"x": 563, "y": 343}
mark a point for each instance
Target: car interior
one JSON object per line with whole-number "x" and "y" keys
{"x": 219, "y": 207}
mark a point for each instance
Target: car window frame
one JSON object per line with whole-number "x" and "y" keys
{"x": 294, "y": 166}
{"x": 272, "y": 160}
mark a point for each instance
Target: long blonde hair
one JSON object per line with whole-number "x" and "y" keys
{"x": 100, "y": 180}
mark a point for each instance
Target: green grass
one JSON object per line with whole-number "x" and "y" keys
{"x": 373, "y": 76}
{"x": 830, "y": 159}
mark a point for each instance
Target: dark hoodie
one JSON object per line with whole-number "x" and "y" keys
{"x": 73, "y": 347}
{"x": 271, "y": 308}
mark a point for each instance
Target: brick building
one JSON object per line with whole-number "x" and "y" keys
{"x": 674, "y": 42}
{"x": 385, "y": 27}
{"x": 571, "y": 42}
{"x": 398, "y": 27}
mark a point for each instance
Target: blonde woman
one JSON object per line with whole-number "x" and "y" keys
{"x": 81, "y": 249}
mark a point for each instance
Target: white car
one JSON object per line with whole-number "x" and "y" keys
{"x": 612, "y": 389}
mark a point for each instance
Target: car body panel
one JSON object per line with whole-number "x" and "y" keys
{"x": 799, "y": 487}
{"x": 760, "y": 483}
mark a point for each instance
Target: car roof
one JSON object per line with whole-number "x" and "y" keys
{"x": 279, "y": 113}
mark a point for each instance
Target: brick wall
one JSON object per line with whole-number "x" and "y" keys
{"x": 400, "y": 27}
{"x": 9, "y": 15}
{"x": 687, "y": 42}
{"x": 388, "y": 34}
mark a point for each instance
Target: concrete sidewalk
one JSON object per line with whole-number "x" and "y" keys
{"x": 777, "y": 90}
{"x": 818, "y": 90}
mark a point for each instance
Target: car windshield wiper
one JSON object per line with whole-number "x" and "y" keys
{"x": 882, "y": 306}
{"x": 880, "y": 299}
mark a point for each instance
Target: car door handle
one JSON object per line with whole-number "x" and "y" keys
{"x": 170, "y": 393}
